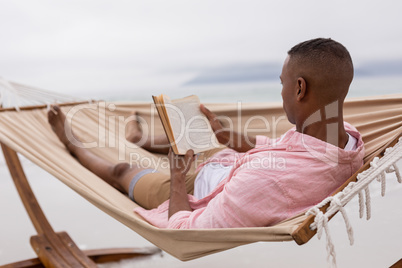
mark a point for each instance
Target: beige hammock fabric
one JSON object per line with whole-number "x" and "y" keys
{"x": 102, "y": 126}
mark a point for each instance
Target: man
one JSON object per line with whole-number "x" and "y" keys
{"x": 234, "y": 187}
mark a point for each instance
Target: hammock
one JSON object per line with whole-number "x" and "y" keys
{"x": 101, "y": 126}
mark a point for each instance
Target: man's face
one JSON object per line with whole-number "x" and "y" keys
{"x": 288, "y": 95}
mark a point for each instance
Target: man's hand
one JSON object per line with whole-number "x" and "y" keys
{"x": 221, "y": 134}
{"x": 231, "y": 139}
{"x": 179, "y": 166}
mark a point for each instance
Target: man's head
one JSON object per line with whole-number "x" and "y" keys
{"x": 315, "y": 73}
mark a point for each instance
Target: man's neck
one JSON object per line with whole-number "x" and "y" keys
{"x": 331, "y": 131}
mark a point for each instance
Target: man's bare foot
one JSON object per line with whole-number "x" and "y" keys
{"x": 134, "y": 130}
{"x": 62, "y": 129}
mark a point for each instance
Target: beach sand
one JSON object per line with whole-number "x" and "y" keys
{"x": 377, "y": 242}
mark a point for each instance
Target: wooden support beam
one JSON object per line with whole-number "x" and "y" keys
{"x": 116, "y": 254}
{"x": 97, "y": 255}
{"x": 55, "y": 250}
{"x": 47, "y": 241}
{"x": 31, "y": 263}
{"x": 398, "y": 264}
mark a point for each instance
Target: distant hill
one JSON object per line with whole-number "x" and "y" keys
{"x": 256, "y": 72}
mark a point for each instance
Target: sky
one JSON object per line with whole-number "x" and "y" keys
{"x": 89, "y": 47}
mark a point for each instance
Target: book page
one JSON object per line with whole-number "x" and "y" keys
{"x": 191, "y": 128}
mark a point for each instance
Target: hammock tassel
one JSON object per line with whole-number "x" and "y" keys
{"x": 394, "y": 168}
{"x": 381, "y": 177}
{"x": 368, "y": 203}
{"x": 383, "y": 183}
{"x": 397, "y": 173}
{"x": 365, "y": 202}
{"x": 321, "y": 223}
{"x": 378, "y": 169}
{"x": 361, "y": 204}
{"x": 336, "y": 202}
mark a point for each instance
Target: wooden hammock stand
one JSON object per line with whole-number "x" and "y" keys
{"x": 56, "y": 250}
{"x": 59, "y": 250}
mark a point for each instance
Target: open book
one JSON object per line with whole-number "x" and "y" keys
{"x": 185, "y": 125}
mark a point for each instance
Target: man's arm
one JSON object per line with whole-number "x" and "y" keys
{"x": 179, "y": 166}
{"x": 236, "y": 141}
{"x": 249, "y": 199}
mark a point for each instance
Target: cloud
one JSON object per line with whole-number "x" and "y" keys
{"x": 122, "y": 44}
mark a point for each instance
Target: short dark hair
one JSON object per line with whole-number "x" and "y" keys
{"x": 323, "y": 58}
{"x": 320, "y": 48}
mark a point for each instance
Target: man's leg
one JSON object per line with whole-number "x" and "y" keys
{"x": 155, "y": 144}
{"x": 117, "y": 175}
{"x": 151, "y": 190}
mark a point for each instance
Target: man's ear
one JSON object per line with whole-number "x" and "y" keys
{"x": 301, "y": 88}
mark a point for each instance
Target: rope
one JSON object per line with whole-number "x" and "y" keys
{"x": 321, "y": 220}
{"x": 368, "y": 203}
{"x": 377, "y": 170}
{"x": 16, "y": 95}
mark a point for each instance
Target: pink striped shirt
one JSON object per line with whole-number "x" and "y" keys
{"x": 270, "y": 183}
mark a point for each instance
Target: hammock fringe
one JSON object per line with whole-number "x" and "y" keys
{"x": 377, "y": 171}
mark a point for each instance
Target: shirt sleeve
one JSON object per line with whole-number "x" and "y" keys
{"x": 249, "y": 199}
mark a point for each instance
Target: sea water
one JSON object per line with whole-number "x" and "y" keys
{"x": 265, "y": 91}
